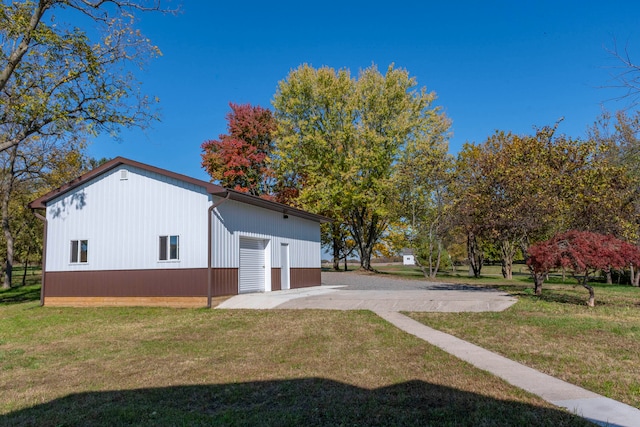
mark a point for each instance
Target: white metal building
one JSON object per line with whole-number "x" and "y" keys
{"x": 132, "y": 234}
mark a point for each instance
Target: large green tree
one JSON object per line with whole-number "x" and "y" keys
{"x": 619, "y": 134}
{"x": 316, "y": 128}
{"x": 59, "y": 79}
{"x": 513, "y": 190}
{"x": 503, "y": 194}
{"x": 421, "y": 179}
{"x": 340, "y": 138}
{"x": 27, "y": 171}
{"x": 65, "y": 72}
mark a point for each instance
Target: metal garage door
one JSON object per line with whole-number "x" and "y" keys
{"x": 251, "y": 275}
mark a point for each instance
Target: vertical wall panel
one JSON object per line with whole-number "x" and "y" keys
{"x": 122, "y": 283}
{"x": 224, "y": 281}
{"x": 276, "y": 283}
{"x": 232, "y": 220}
{"x": 305, "y": 277}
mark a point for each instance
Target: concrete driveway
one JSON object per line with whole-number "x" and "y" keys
{"x": 356, "y": 291}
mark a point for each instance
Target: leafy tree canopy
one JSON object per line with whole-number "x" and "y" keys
{"x": 241, "y": 159}
{"x": 340, "y": 139}
{"x": 57, "y": 79}
{"x": 584, "y": 253}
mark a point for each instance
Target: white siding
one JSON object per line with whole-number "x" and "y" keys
{"x": 232, "y": 219}
{"x": 123, "y": 218}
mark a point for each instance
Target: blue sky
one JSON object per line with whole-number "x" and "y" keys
{"x": 508, "y": 65}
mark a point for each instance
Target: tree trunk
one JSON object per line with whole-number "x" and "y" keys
{"x": 421, "y": 266}
{"x": 26, "y": 265}
{"x": 538, "y": 280}
{"x": 592, "y": 296}
{"x": 634, "y": 276}
{"x": 609, "y": 276}
{"x": 434, "y": 273}
{"x": 336, "y": 242}
{"x": 366, "y": 229}
{"x": 475, "y": 255}
{"x": 508, "y": 251}
{"x": 507, "y": 269}
{"x": 7, "y": 189}
{"x": 365, "y": 258}
{"x": 430, "y": 255}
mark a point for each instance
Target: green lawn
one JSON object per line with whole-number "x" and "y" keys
{"x": 160, "y": 366}
{"x": 596, "y": 348}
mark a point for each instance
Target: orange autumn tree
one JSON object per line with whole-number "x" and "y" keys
{"x": 241, "y": 159}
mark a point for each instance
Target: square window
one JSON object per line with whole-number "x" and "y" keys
{"x": 79, "y": 251}
{"x": 169, "y": 248}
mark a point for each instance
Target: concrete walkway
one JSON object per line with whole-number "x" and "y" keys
{"x": 386, "y": 297}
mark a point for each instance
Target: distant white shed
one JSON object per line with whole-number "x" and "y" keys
{"x": 407, "y": 257}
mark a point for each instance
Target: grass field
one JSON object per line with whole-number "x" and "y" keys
{"x": 159, "y": 366}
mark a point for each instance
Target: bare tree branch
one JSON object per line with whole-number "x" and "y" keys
{"x": 626, "y": 74}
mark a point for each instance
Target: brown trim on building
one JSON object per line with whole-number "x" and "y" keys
{"x": 44, "y": 255}
{"x": 305, "y": 277}
{"x": 168, "y": 287}
{"x": 276, "y": 279}
{"x": 210, "y": 247}
{"x": 140, "y": 283}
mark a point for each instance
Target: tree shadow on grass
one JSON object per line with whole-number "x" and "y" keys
{"x": 297, "y": 402}
{"x": 561, "y": 298}
{"x": 20, "y": 294}
{"x": 548, "y": 295}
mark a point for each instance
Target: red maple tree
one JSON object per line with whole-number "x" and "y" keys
{"x": 584, "y": 253}
{"x": 240, "y": 160}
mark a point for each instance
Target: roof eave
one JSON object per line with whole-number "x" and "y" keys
{"x": 275, "y": 206}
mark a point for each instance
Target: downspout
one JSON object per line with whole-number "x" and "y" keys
{"x": 44, "y": 254}
{"x": 209, "y": 243}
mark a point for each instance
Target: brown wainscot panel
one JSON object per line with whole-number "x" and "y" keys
{"x": 305, "y": 277}
{"x": 276, "y": 280}
{"x": 224, "y": 281}
{"x": 141, "y": 283}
